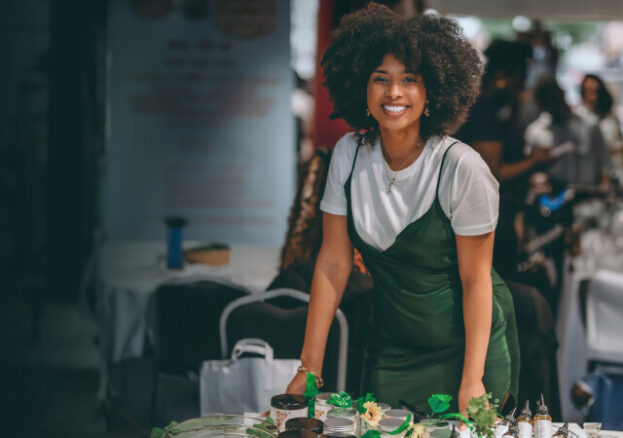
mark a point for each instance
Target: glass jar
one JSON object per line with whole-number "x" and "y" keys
{"x": 339, "y": 425}
{"x": 286, "y": 406}
{"x": 311, "y": 424}
{"x": 297, "y": 434}
{"x": 388, "y": 424}
{"x": 348, "y": 413}
{"x": 398, "y": 413}
{"x": 321, "y": 407}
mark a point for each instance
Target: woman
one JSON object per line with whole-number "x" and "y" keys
{"x": 420, "y": 207}
{"x": 586, "y": 159}
{"x": 597, "y": 108}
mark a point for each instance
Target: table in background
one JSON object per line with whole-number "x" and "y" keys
{"x": 127, "y": 273}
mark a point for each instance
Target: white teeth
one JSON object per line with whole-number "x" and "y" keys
{"x": 393, "y": 108}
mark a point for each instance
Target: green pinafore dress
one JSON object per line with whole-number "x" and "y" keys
{"x": 417, "y": 334}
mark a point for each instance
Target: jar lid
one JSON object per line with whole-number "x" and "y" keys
{"x": 398, "y": 413}
{"x": 288, "y": 402}
{"x": 337, "y": 435}
{"x": 303, "y": 423}
{"x": 338, "y": 424}
{"x": 298, "y": 434}
{"x": 390, "y": 424}
{"x": 384, "y": 407}
{"x": 342, "y": 413}
{"x": 323, "y": 397}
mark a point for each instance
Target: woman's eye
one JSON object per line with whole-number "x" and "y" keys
{"x": 379, "y": 79}
{"x": 410, "y": 79}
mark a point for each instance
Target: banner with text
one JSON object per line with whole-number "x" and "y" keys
{"x": 199, "y": 120}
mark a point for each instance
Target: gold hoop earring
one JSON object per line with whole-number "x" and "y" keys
{"x": 426, "y": 110}
{"x": 368, "y": 112}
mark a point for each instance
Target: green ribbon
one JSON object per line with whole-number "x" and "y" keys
{"x": 371, "y": 434}
{"x": 341, "y": 400}
{"x": 402, "y": 427}
{"x": 311, "y": 392}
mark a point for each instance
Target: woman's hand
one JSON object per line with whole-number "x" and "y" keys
{"x": 469, "y": 388}
{"x": 298, "y": 385}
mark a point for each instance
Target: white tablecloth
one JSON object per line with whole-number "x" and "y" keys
{"x": 598, "y": 253}
{"x": 128, "y": 273}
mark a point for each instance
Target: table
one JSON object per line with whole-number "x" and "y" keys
{"x": 127, "y": 273}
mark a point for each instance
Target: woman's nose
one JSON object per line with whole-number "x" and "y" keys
{"x": 394, "y": 89}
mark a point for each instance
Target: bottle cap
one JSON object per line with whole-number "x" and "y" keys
{"x": 514, "y": 427}
{"x": 542, "y": 407}
{"x": 526, "y": 409}
{"x": 510, "y": 417}
{"x": 564, "y": 430}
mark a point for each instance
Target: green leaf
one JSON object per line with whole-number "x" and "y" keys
{"x": 402, "y": 427}
{"x": 439, "y": 402}
{"x": 341, "y": 400}
{"x": 457, "y": 416}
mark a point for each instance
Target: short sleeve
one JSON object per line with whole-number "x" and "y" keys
{"x": 334, "y": 198}
{"x": 473, "y": 196}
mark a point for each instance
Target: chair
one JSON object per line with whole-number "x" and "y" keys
{"x": 186, "y": 332}
{"x": 604, "y": 318}
{"x": 284, "y": 329}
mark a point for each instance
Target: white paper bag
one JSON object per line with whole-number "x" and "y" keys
{"x": 244, "y": 384}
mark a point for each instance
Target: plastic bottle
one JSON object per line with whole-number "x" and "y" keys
{"x": 524, "y": 421}
{"x": 502, "y": 426}
{"x": 542, "y": 421}
{"x": 513, "y": 430}
{"x": 562, "y": 432}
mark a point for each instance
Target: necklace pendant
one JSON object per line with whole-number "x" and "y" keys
{"x": 390, "y": 185}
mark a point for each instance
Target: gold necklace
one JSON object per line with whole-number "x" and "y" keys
{"x": 393, "y": 180}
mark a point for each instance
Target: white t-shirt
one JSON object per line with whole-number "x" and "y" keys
{"x": 468, "y": 192}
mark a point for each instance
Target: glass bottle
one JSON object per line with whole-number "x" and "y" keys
{"x": 524, "y": 421}
{"x": 542, "y": 421}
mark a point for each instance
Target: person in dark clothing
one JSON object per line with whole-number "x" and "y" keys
{"x": 495, "y": 131}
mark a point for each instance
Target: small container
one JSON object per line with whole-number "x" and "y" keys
{"x": 513, "y": 431}
{"x": 321, "y": 407}
{"x": 286, "y": 406}
{"x": 384, "y": 407}
{"x": 562, "y": 432}
{"x": 348, "y": 413}
{"x": 297, "y": 434}
{"x": 301, "y": 423}
{"x": 501, "y": 427}
{"x": 387, "y": 425}
{"x": 542, "y": 421}
{"x": 524, "y": 421}
{"x": 339, "y": 425}
{"x": 338, "y": 435}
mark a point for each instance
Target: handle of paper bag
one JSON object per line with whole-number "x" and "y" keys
{"x": 252, "y": 345}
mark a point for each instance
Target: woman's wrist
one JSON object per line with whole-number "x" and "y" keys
{"x": 471, "y": 377}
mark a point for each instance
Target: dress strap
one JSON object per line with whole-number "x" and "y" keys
{"x": 352, "y": 168}
{"x": 443, "y": 159}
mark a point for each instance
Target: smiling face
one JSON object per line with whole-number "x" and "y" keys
{"x": 396, "y": 98}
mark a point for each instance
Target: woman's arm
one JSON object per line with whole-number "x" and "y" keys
{"x": 331, "y": 273}
{"x": 475, "y": 257}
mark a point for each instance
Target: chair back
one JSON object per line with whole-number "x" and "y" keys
{"x": 284, "y": 329}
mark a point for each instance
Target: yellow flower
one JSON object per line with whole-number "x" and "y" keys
{"x": 373, "y": 413}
